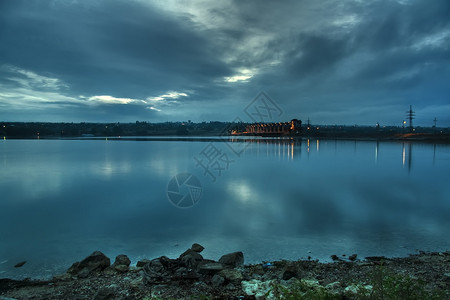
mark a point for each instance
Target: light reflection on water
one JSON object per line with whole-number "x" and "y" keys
{"x": 279, "y": 198}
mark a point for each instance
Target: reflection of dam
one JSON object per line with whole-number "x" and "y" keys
{"x": 282, "y": 148}
{"x": 291, "y": 147}
{"x": 282, "y": 128}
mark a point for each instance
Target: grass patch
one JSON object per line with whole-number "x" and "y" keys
{"x": 383, "y": 285}
{"x": 302, "y": 289}
{"x": 387, "y": 285}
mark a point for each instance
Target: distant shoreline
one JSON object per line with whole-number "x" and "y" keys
{"x": 421, "y": 138}
{"x": 40, "y": 130}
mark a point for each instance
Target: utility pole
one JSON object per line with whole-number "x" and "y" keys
{"x": 434, "y": 121}
{"x": 410, "y": 114}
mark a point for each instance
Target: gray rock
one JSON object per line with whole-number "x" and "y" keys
{"x": 121, "y": 268}
{"x": 110, "y": 271}
{"x": 142, "y": 263}
{"x": 232, "y": 260}
{"x": 181, "y": 272}
{"x": 74, "y": 268}
{"x": 83, "y": 273}
{"x": 121, "y": 264}
{"x": 259, "y": 289}
{"x": 158, "y": 269}
{"x": 155, "y": 266}
{"x": 209, "y": 268}
{"x": 217, "y": 280}
{"x": 358, "y": 289}
{"x": 122, "y": 260}
{"x": 190, "y": 259}
{"x": 97, "y": 261}
{"x": 334, "y": 257}
{"x": 353, "y": 257}
{"x": 18, "y": 265}
{"x": 232, "y": 275}
{"x": 197, "y": 248}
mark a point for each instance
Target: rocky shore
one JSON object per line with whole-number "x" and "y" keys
{"x": 191, "y": 276}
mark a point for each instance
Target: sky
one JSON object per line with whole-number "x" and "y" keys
{"x": 332, "y": 61}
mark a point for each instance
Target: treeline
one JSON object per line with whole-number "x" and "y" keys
{"x": 213, "y": 128}
{"x": 61, "y": 130}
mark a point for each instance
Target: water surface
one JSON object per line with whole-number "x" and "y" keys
{"x": 272, "y": 199}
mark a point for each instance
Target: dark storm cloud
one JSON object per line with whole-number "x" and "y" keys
{"x": 107, "y": 47}
{"x": 315, "y": 54}
{"x": 388, "y": 33}
{"x": 396, "y": 37}
{"x": 396, "y": 51}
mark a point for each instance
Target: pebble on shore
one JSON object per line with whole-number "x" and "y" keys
{"x": 18, "y": 265}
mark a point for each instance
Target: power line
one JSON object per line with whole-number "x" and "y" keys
{"x": 435, "y": 121}
{"x": 410, "y": 114}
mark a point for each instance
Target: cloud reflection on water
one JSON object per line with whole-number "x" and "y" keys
{"x": 278, "y": 200}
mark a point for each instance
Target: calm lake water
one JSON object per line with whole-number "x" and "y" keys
{"x": 60, "y": 200}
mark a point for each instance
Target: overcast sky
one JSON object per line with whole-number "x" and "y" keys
{"x": 334, "y": 61}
